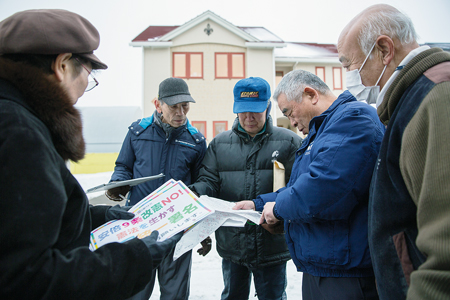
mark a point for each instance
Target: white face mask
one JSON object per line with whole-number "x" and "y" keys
{"x": 359, "y": 90}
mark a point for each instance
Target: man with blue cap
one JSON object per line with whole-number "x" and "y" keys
{"x": 238, "y": 165}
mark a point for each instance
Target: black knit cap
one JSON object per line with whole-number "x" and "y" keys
{"x": 173, "y": 91}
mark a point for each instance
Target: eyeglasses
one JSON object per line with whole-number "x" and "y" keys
{"x": 92, "y": 83}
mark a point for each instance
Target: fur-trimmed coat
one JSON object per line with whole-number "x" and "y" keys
{"x": 45, "y": 215}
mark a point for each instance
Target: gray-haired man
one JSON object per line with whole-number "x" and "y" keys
{"x": 409, "y": 228}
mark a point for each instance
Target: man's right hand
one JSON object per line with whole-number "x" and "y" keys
{"x": 245, "y": 204}
{"x": 159, "y": 250}
{"x": 114, "y": 194}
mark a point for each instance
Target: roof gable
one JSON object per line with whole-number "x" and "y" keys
{"x": 163, "y": 34}
{"x": 213, "y": 17}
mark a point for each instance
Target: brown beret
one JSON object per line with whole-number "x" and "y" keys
{"x": 50, "y": 31}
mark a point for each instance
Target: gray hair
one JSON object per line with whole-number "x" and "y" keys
{"x": 293, "y": 84}
{"x": 390, "y": 22}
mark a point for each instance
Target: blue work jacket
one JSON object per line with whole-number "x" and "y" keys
{"x": 325, "y": 203}
{"x": 147, "y": 151}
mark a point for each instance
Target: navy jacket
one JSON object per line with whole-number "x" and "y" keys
{"x": 325, "y": 204}
{"x": 146, "y": 151}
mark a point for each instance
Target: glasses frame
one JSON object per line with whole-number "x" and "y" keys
{"x": 91, "y": 84}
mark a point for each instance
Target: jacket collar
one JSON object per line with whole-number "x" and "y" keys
{"x": 343, "y": 98}
{"x": 413, "y": 70}
{"x": 146, "y": 122}
{"x": 267, "y": 128}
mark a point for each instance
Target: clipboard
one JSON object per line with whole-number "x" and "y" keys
{"x": 131, "y": 182}
{"x": 279, "y": 177}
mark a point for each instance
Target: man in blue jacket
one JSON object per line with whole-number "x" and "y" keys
{"x": 164, "y": 143}
{"x": 324, "y": 205}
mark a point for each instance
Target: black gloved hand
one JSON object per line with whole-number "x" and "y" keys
{"x": 113, "y": 194}
{"x": 118, "y": 213}
{"x": 159, "y": 250}
{"x": 206, "y": 246}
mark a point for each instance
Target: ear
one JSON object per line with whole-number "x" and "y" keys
{"x": 61, "y": 66}
{"x": 385, "y": 45}
{"x": 311, "y": 94}
{"x": 158, "y": 105}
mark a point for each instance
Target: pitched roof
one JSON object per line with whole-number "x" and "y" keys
{"x": 167, "y": 33}
{"x": 153, "y": 33}
{"x": 256, "y": 36}
{"x": 261, "y": 33}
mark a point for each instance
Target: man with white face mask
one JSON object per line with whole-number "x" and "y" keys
{"x": 409, "y": 207}
{"x": 359, "y": 90}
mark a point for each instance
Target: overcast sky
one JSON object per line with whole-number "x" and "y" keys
{"x": 120, "y": 21}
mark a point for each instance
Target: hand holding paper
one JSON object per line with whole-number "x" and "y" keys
{"x": 159, "y": 250}
{"x": 115, "y": 194}
{"x": 267, "y": 214}
{"x": 245, "y": 205}
{"x": 223, "y": 214}
{"x": 170, "y": 209}
{"x": 118, "y": 212}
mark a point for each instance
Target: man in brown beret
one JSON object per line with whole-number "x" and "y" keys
{"x": 46, "y": 59}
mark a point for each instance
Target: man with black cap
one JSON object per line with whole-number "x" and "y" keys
{"x": 163, "y": 143}
{"x": 239, "y": 165}
{"x": 46, "y": 59}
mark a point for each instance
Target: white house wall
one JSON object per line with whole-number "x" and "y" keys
{"x": 214, "y": 97}
{"x": 156, "y": 69}
{"x": 260, "y": 64}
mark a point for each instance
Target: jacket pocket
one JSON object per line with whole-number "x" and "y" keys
{"x": 403, "y": 254}
{"x": 327, "y": 243}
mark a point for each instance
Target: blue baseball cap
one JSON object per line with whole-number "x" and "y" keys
{"x": 251, "y": 95}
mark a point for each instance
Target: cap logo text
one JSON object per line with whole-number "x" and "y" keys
{"x": 249, "y": 94}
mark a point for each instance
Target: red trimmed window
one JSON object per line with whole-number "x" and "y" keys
{"x": 337, "y": 78}
{"x": 219, "y": 126}
{"x": 230, "y": 65}
{"x": 187, "y": 64}
{"x": 201, "y": 126}
{"x": 320, "y": 72}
